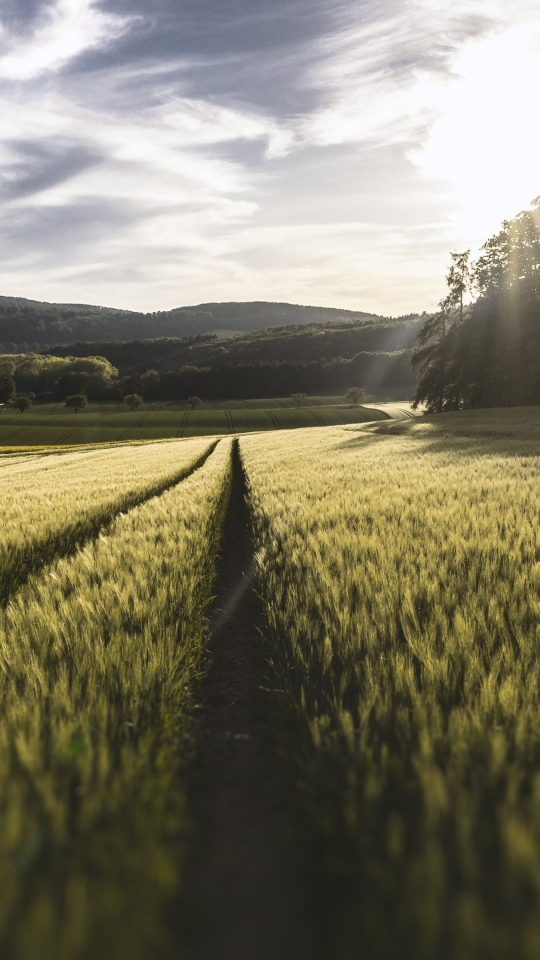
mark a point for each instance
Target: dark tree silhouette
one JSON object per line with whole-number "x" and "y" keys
{"x": 298, "y": 398}
{"x": 194, "y": 402}
{"x": 133, "y": 401}
{"x": 76, "y": 402}
{"x": 22, "y": 404}
{"x": 432, "y": 355}
{"x": 7, "y": 389}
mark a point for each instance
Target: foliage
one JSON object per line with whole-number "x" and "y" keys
{"x": 41, "y": 324}
{"x": 100, "y": 660}
{"x": 300, "y": 344}
{"x": 194, "y": 402}
{"x": 298, "y": 398}
{"x": 76, "y": 402}
{"x": 133, "y": 401}
{"x": 59, "y": 376}
{"x": 7, "y": 389}
{"x": 489, "y": 353}
{"x": 398, "y": 566}
{"x": 354, "y": 395}
{"x": 22, "y": 404}
{"x": 458, "y": 281}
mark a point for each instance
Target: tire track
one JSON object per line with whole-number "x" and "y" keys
{"x": 248, "y": 894}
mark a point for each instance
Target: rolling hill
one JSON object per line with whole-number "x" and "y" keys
{"x": 35, "y": 325}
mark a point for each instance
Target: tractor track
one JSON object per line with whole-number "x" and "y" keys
{"x": 248, "y": 898}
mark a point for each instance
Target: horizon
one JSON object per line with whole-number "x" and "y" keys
{"x": 314, "y": 154}
{"x": 208, "y": 303}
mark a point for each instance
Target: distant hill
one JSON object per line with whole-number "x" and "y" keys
{"x": 272, "y": 362}
{"x": 34, "y": 325}
{"x": 299, "y": 343}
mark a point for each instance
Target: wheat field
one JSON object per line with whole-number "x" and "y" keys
{"x": 399, "y": 566}
{"x": 100, "y": 655}
{"x": 397, "y": 584}
{"x": 50, "y": 503}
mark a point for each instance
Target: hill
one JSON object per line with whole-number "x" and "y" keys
{"x": 271, "y": 362}
{"x": 36, "y": 325}
{"x": 300, "y": 343}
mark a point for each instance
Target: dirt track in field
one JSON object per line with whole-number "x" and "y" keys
{"x": 248, "y": 893}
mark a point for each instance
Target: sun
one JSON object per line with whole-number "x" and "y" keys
{"x": 485, "y": 140}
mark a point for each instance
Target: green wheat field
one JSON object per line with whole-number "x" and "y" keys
{"x": 106, "y": 422}
{"x": 397, "y": 572}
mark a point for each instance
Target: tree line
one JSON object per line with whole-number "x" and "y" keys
{"x": 486, "y": 353}
{"x": 55, "y": 378}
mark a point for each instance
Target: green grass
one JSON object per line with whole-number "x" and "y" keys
{"x": 108, "y": 423}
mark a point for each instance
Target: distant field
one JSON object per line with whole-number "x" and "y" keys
{"x": 52, "y": 424}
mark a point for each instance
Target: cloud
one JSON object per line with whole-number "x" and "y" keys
{"x": 38, "y": 167}
{"x": 383, "y": 80}
{"x": 63, "y": 31}
{"x": 181, "y": 152}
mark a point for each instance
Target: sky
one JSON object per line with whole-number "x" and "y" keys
{"x": 158, "y": 153}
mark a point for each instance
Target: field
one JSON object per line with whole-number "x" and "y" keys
{"x": 107, "y": 423}
{"x": 274, "y": 696}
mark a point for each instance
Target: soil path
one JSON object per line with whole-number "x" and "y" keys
{"x": 247, "y": 890}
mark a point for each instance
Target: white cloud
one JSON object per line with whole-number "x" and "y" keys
{"x": 456, "y": 85}
{"x": 66, "y": 29}
{"x": 192, "y": 197}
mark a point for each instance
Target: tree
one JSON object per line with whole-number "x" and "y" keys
{"x": 432, "y": 356}
{"x": 354, "y": 395}
{"x": 458, "y": 281}
{"x": 76, "y": 402}
{"x": 93, "y": 376}
{"x": 7, "y": 389}
{"x": 22, "y": 404}
{"x": 512, "y": 255}
{"x": 150, "y": 385}
{"x": 194, "y": 402}
{"x": 487, "y": 354}
{"x": 133, "y": 401}
{"x": 298, "y": 398}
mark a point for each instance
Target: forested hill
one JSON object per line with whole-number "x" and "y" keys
{"x": 29, "y": 324}
{"x": 301, "y": 343}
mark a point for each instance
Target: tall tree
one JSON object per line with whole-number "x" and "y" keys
{"x": 458, "y": 281}
{"x": 432, "y": 356}
{"x": 487, "y": 354}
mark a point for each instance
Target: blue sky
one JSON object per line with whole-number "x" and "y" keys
{"x": 166, "y": 152}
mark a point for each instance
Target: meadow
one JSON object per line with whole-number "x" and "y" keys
{"x": 396, "y": 584}
{"x": 108, "y": 422}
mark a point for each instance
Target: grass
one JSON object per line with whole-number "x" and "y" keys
{"x": 100, "y": 658}
{"x": 399, "y": 571}
{"x": 108, "y": 423}
{"x": 51, "y": 504}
